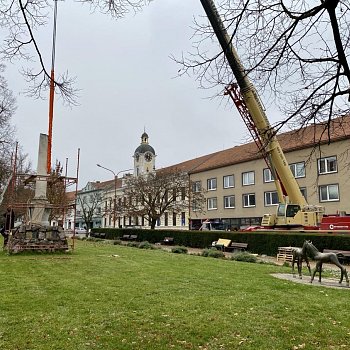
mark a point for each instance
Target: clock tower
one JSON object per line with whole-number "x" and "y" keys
{"x": 144, "y": 157}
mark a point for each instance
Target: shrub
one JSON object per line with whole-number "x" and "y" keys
{"x": 145, "y": 245}
{"x": 244, "y": 256}
{"x": 179, "y": 250}
{"x": 213, "y": 253}
{"x": 133, "y": 244}
{"x": 117, "y": 242}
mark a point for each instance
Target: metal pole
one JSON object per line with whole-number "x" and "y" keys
{"x": 76, "y": 197}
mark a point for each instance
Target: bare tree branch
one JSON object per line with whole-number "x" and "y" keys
{"x": 22, "y": 18}
{"x": 157, "y": 193}
{"x": 295, "y": 52}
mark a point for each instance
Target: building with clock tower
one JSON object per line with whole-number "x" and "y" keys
{"x": 144, "y": 157}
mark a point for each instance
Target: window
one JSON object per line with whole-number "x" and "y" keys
{"x": 196, "y": 186}
{"x": 211, "y": 184}
{"x": 327, "y": 165}
{"x": 195, "y": 206}
{"x": 183, "y": 218}
{"x": 268, "y": 177}
{"x": 271, "y": 198}
{"x": 229, "y": 202}
{"x": 248, "y": 178}
{"x": 183, "y": 193}
{"x": 174, "y": 219}
{"x": 212, "y": 203}
{"x": 165, "y": 219}
{"x": 298, "y": 169}
{"x": 303, "y": 192}
{"x": 229, "y": 181}
{"x": 249, "y": 200}
{"x": 329, "y": 193}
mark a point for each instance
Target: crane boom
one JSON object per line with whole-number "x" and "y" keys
{"x": 256, "y": 110}
{"x": 292, "y": 210}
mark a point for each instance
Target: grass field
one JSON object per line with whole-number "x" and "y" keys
{"x": 110, "y": 297}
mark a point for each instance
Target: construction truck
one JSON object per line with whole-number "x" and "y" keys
{"x": 292, "y": 210}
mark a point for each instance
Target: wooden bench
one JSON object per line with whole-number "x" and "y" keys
{"x": 129, "y": 238}
{"x": 285, "y": 254}
{"x": 98, "y": 234}
{"x": 226, "y": 245}
{"x": 236, "y": 247}
{"x": 168, "y": 240}
{"x": 343, "y": 255}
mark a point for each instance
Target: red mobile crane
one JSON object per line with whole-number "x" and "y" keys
{"x": 293, "y": 210}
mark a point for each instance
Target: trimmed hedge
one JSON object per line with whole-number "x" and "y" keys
{"x": 260, "y": 242}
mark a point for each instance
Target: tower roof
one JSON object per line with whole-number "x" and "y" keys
{"x": 144, "y": 146}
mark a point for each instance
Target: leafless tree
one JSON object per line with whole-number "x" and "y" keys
{"x": 14, "y": 192}
{"x": 156, "y": 193}
{"x": 22, "y": 18}
{"x": 89, "y": 205}
{"x": 7, "y": 131}
{"x": 294, "y": 51}
{"x": 56, "y": 192}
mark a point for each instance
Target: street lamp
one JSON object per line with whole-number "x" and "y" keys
{"x": 115, "y": 188}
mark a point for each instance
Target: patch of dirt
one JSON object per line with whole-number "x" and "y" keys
{"x": 326, "y": 282}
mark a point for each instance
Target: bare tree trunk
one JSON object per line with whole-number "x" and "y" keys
{"x": 153, "y": 223}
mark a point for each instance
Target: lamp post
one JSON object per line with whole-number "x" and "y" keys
{"x": 115, "y": 188}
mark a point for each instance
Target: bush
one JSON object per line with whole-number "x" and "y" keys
{"x": 117, "y": 242}
{"x": 133, "y": 244}
{"x": 260, "y": 242}
{"x": 213, "y": 253}
{"x": 179, "y": 250}
{"x": 244, "y": 256}
{"x": 145, "y": 245}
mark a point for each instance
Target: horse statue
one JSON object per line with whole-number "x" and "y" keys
{"x": 299, "y": 254}
{"x": 321, "y": 258}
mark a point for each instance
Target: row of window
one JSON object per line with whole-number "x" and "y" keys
{"x": 327, "y": 193}
{"x": 168, "y": 219}
{"x": 325, "y": 166}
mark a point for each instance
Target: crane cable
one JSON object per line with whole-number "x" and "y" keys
{"x": 52, "y": 89}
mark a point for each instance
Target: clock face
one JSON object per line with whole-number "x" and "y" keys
{"x": 148, "y": 157}
{"x": 137, "y": 156}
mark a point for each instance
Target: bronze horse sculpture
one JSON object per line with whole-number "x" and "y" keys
{"x": 321, "y": 258}
{"x": 299, "y": 254}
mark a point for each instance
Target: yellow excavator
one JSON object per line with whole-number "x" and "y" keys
{"x": 292, "y": 210}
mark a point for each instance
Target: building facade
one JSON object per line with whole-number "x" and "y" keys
{"x": 240, "y": 188}
{"x": 237, "y": 183}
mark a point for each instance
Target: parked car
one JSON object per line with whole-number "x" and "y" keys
{"x": 80, "y": 230}
{"x": 212, "y": 226}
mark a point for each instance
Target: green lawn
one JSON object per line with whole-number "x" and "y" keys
{"x": 110, "y": 297}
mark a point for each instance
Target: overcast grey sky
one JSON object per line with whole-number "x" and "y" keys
{"x": 128, "y": 83}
